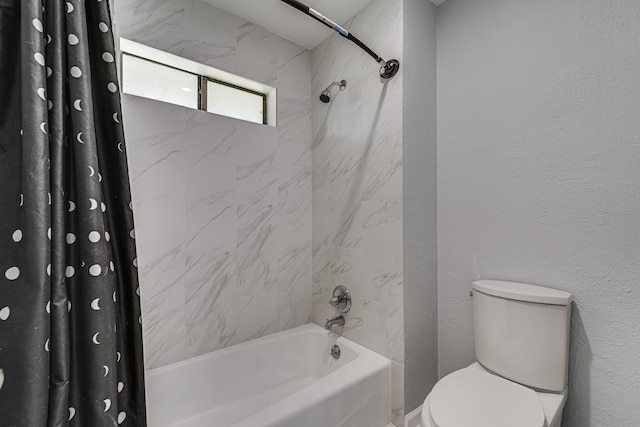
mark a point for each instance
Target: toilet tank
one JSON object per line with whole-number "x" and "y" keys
{"x": 522, "y": 332}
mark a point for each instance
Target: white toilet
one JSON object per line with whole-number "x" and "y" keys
{"x": 522, "y": 348}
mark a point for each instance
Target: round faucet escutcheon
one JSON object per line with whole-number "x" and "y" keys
{"x": 341, "y": 299}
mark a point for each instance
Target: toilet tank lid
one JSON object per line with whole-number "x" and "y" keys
{"x": 522, "y": 292}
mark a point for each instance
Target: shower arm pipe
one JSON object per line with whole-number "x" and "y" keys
{"x": 389, "y": 68}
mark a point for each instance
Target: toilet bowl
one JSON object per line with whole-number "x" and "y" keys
{"x": 520, "y": 376}
{"x": 475, "y": 397}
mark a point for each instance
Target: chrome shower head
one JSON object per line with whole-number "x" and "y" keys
{"x": 325, "y": 96}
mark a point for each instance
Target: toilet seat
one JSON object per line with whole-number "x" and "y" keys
{"x": 470, "y": 397}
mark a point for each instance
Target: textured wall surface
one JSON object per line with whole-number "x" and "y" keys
{"x": 357, "y": 186}
{"x": 222, "y": 206}
{"x": 419, "y": 202}
{"x": 539, "y": 179}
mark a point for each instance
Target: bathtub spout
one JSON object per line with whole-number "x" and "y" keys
{"x": 337, "y": 321}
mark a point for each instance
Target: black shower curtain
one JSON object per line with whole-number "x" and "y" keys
{"x": 70, "y": 334}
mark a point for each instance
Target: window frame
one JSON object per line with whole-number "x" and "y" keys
{"x": 202, "y": 94}
{"x": 133, "y": 55}
{"x": 202, "y": 86}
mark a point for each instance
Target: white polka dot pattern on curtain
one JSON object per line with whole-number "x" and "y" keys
{"x": 70, "y": 336}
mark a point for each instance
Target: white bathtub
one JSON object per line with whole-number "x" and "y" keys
{"x": 287, "y": 379}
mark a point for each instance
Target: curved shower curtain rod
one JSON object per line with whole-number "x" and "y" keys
{"x": 388, "y": 68}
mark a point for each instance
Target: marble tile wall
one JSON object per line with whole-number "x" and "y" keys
{"x": 222, "y": 207}
{"x": 357, "y": 187}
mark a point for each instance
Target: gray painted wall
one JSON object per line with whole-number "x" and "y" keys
{"x": 419, "y": 202}
{"x": 539, "y": 179}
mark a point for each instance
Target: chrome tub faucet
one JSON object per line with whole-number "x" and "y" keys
{"x": 336, "y": 321}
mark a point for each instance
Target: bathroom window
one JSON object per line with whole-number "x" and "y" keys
{"x": 240, "y": 103}
{"x": 152, "y": 80}
{"x": 154, "y": 74}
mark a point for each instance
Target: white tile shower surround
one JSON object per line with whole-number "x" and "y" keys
{"x": 224, "y": 244}
{"x": 357, "y": 187}
{"x": 233, "y": 199}
{"x": 222, "y": 207}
